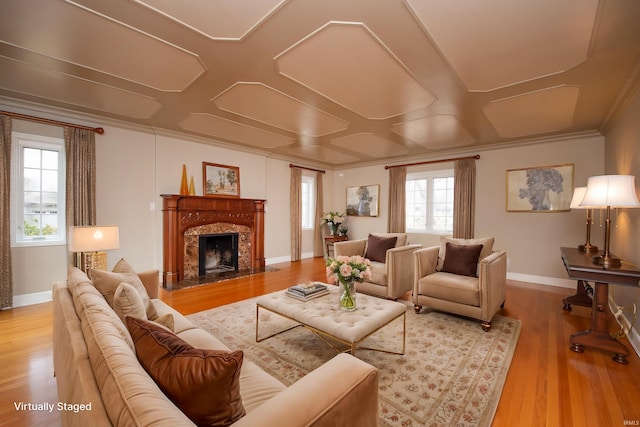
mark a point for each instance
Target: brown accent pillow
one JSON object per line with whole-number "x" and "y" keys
{"x": 377, "y": 247}
{"x": 108, "y": 281}
{"x": 204, "y": 384}
{"x": 462, "y": 259}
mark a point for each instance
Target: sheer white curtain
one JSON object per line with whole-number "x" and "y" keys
{"x": 464, "y": 198}
{"x": 6, "y": 281}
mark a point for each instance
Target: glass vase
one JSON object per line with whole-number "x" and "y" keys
{"x": 347, "y": 295}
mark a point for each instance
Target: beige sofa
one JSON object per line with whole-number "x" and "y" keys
{"x": 95, "y": 364}
{"x": 392, "y": 272}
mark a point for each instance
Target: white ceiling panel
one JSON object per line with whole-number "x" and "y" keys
{"x": 346, "y": 63}
{"x": 262, "y": 103}
{"x": 217, "y": 19}
{"x": 30, "y": 80}
{"x": 435, "y": 132}
{"x": 538, "y": 112}
{"x": 97, "y": 42}
{"x": 497, "y": 43}
{"x": 369, "y": 144}
{"x": 224, "y": 129}
{"x": 317, "y": 153}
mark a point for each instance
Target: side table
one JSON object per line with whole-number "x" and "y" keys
{"x": 580, "y": 267}
{"x": 329, "y": 242}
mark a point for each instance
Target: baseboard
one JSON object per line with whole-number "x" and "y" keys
{"x": 30, "y": 299}
{"x": 287, "y": 258}
{"x": 632, "y": 334}
{"x": 542, "y": 280}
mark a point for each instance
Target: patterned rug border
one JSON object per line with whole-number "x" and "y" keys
{"x": 476, "y": 379}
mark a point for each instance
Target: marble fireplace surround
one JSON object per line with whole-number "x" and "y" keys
{"x": 186, "y": 217}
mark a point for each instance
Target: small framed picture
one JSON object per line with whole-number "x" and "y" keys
{"x": 220, "y": 180}
{"x": 363, "y": 200}
{"x": 540, "y": 189}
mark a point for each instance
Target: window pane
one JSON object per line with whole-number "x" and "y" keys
{"x": 31, "y": 225}
{"x": 31, "y": 180}
{"x": 49, "y": 225}
{"x": 49, "y": 159}
{"x": 49, "y": 180}
{"x": 31, "y": 158}
{"x": 31, "y": 200}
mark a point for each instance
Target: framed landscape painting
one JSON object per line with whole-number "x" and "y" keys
{"x": 540, "y": 189}
{"x": 363, "y": 200}
{"x": 220, "y": 180}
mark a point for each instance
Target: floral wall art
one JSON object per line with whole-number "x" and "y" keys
{"x": 540, "y": 189}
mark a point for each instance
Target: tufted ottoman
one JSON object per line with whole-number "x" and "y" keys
{"x": 323, "y": 317}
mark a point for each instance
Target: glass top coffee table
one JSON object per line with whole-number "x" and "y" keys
{"x": 323, "y": 317}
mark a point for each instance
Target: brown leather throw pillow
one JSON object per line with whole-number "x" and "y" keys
{"x": 461, "y": 259}
{"x": 377, "y": 247}
{"x": 204, "y": 384}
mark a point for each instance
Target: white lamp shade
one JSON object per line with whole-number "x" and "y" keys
{"x": 94, "y": 238}
{"x": 578, "y": 195}
{"x": 616, "y": 191}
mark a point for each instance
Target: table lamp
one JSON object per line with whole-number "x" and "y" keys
{"x": 578, "y": 195}
{"x": 90, "y": 244}
{"x": 610, "y": 191}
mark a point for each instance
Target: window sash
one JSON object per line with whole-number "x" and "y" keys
{"x": 38, "y": 208}
{"x": 429, "y": 202}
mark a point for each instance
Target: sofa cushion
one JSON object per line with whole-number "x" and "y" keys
{"x": 108, "y": 281}
{"x": 128, "y": 302}
{"x": 377, "y": 247}
{"x": 204, "y": 384}
{"x": 486, "y": 242}
{"x": 451, "y": 287}
{"x": 461, "y": 259}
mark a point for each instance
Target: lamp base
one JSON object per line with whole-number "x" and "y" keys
{"x": 607, "y": 261}
{"x": 588, "y": 247}
{"x": 93, "y": 261}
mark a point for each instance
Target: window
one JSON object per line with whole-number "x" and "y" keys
{"x": 308, "y": 202}
{"x": 38, "y": 189}
{"x": 429, "y": 202}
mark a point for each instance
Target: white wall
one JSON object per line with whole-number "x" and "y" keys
{"x": 135, "y": 165}
{"x": 622, "y": 157}
{"x": 532, "y": 240}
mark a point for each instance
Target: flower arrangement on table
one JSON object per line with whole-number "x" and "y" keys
{"x": 344, "y": 271}
{"x": 333, "y": 220}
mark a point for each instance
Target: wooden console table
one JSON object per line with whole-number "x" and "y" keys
{"x": 580, "y": 267}
{"x": 330, "y": 240}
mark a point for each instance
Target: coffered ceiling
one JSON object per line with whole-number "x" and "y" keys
{"x": 330, "y": 82}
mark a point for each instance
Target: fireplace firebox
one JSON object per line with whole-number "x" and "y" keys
{"x": 218, "y": 253}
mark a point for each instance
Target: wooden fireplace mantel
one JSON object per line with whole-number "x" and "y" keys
{"x": 179, "y": 213}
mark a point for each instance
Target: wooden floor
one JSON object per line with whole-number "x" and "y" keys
{"x": 547, "y": 384}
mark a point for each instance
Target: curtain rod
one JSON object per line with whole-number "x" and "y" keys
{"x": 291, "y": 165}
{"x": 476, "y": 157}
{"x": 99, "y": 131}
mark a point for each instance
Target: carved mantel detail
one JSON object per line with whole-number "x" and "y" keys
{"x": 180, "y": 213}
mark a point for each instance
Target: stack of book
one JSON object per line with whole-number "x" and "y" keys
{"x": 307, "y": 291}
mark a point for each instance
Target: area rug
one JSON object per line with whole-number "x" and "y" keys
{"x": 452, "y": 373}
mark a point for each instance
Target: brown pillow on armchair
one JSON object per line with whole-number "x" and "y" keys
{"x": 378, "y": 246}
{"x": 462, "y": 259}
{"x": 204, "y": 384}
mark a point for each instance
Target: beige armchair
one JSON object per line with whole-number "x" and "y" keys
{"x": 391, "y": 263}
{"x": 478, "y": 295}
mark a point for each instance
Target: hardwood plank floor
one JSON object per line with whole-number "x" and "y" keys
{"x": 547, "y": 384}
